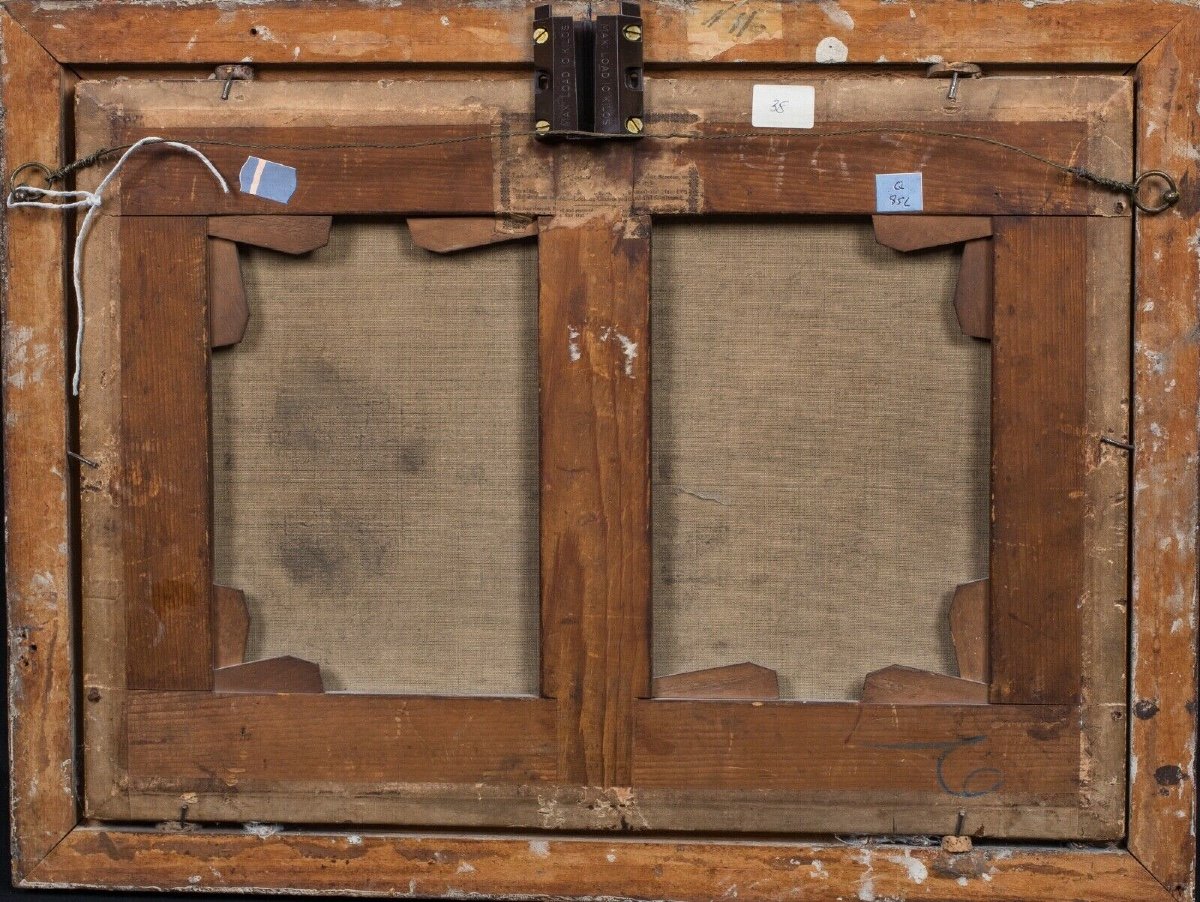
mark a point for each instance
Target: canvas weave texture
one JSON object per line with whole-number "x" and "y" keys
{"x": 820, "y": 452}
{"x": 375, "y": 463}
{"x": 819, "y": 464}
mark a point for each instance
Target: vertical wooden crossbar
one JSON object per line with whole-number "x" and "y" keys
{"x": 594, "y": 294}
{"x": 1039, "y": 421}
{"x": 165, "y": 437}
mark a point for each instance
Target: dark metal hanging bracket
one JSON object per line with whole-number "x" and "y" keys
{"x": 588, "y": 74}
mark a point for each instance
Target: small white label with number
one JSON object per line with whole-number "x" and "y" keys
{"x": 783, "y": 106}
{"x": 899, "y": 192}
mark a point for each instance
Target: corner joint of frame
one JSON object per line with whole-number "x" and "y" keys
{"x": 16, "y": 21}
{"x": 1187, "y": 18}
{"x": 1170, "y": 891}
{"x": 25, "y": 875}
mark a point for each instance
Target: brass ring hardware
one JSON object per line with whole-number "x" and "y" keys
{"x": 47, "y": 176}
{"x": 1168, "y": 198}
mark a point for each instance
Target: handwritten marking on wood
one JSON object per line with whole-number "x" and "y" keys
{"x": 715, "y": 26}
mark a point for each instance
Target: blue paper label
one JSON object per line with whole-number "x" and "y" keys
{"x": 899, "y": 192}
{"x": 271, "y": 181}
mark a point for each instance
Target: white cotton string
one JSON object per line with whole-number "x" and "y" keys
{"x": 92, "y": 201}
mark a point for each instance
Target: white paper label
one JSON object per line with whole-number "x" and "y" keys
{"x": 783, "y": 106}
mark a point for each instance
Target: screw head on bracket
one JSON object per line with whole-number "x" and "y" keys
{"x": 634, "y": 125}
{"x": 541, "y": 126}
{"x": 540, "y": 35}
{"x": 632, "y": 32}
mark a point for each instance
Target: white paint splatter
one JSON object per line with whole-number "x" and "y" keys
{"x": 917, "y": 872}
{"x": 961, "y": 881}
{"x": 43, "y": 580}
{"x": 573, "y": 343}
{"x": 445, "y": 20}
{"x": 629, "y": 349}
{"x": 838, "y": 16}
{"x": 262, "y": 831}
{"x": 610, "y": 857}
{"x": 866, "y": 884}
{"x": 354, "y": 839}
{"x": 818, "y": 871}
{"x": 831, "y": 50}
{"x": 540, "y": 848}
{"x": 25, "y": 360}
{"x": 464, "y": 868}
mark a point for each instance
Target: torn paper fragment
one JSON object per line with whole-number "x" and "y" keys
{"x": 268, "y": 180}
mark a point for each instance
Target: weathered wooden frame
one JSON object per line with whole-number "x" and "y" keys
{"x": 53, "y": 847}
{"x": 158, "y": 730}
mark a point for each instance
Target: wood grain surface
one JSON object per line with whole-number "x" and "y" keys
{"x": 37, "y": 474}
{"x": 594, "y": 284}
{"x": 228, "y": 313}
{"x": 271, "y": 675}
{"x": 166, "y": 504}
{"x": 974, "y": 293}
{"x": 428, "y": 31}
{"x": 1039, "y": 423}
{"x": 916, "y": 232}
{"x": 286, "y": 234}
{"x": 608, "y": 867}
{"x": 969, "y": 629}
{"x": 231, "y": 626}
{"x": 1165, "y": 478}
{"x": 956, "y": 752}
{"x": 1035, "y": 747}
{"x": 444, "y": 235}
{"x": 745, "y": 681}
{"x": 231, "y": 740}
{"x": 899, "y": 685}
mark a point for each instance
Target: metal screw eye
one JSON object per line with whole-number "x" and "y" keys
{"x": 1168, "y": 198}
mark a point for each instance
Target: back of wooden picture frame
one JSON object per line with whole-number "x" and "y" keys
{"x": 626, "y": 504}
